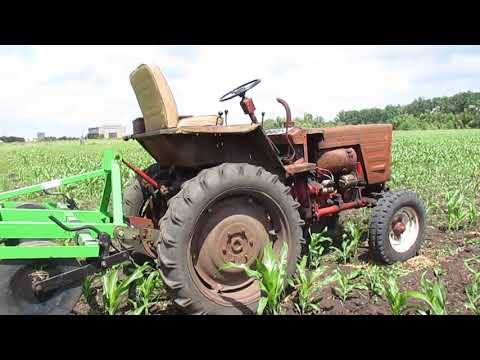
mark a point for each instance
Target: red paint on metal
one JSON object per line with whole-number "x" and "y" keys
{"x": 360, "y": 170}
{"x": 248, "y": 106}
{"x": 399, "y": 228}
{"x": 139, "y": 172}
{"x": 137, "y": 221}
{"x": 299, "y": 190}
{"x": 330, "y": 210}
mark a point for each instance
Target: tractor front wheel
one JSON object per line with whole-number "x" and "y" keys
{"x": 225, "y": 214}
{"x": 397, "y": 227}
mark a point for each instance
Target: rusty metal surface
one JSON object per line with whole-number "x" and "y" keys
{"x": 374, "y": 143}
{"x": 196, "y": 150}
{"x": 299, "y": 167}
{"x": 297, "y": 136}
{"x": 338, "y": 160}
{"x": 141, "y": 236}
{"x": 288, "y": 113}
{"x": 335, "y": 209}
{"x": 227, "y": 129}
{"x": 233, "y": 229}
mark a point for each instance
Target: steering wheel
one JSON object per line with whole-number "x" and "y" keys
{"x": 241, "y": 90}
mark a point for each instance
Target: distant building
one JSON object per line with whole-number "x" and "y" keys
{"x": 40, "y": 136}
{"x": 107, "y": 132}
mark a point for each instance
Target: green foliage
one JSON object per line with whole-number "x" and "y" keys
{"x": 147, "y": 291}
{"x": 306, "y": 283}
{"x": 87, "y": 289}
{"x": 397, "y": 299}
{"x": 457, "y": 211}
{"x": 373, "y": 277}
{"x": 349, "y": 246}
{"x": 346, "y": 283}
{"x": 473, "y": 288}
{"x": 449, "y": 112}
{"x": 433, "y": 293}
{"x": 271, "y": 272}
{"x": 308, "y": 121}
{"x": 114, "y": 288}
{"x": 319, "y": 243}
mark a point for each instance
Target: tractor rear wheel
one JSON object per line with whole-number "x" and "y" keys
{"x": 226, "y": 213}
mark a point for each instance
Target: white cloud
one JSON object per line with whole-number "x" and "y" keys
{"x": 65, "y": 89}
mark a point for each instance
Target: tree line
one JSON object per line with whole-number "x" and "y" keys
{"x": 460, "y": 111}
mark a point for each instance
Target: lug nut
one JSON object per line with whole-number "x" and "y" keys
{"x": 224, "y": 250}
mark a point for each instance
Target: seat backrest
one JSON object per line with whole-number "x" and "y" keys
{"x": 154, "y": 97}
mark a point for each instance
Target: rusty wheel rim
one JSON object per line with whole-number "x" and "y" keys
{"x": 234, "y": 227}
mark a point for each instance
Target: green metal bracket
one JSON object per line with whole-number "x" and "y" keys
{"x": 24, "y": 223}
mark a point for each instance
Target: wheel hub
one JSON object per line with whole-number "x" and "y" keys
{"x": 238, "y": 239}
{"x": 405, "y": 229}
{"x": 399, "y": 228}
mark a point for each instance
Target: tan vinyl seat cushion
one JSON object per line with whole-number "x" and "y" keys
{"x": 157, "y": 103}
{"x": 205, "y": 120}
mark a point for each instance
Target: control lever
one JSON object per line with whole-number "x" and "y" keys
{"x": 263, "y": 115}
{"x": 220, "y": 113}
{"x": 226, "y": 113}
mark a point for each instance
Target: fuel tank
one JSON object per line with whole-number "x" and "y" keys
{"x": 338, "y": 161}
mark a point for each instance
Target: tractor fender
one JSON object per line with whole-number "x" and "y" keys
{"x": 207, "y": 146}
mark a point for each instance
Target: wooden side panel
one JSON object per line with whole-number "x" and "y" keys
{"x": 375, "y": 142}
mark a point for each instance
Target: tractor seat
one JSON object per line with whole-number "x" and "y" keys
{"x": 157, "y": 103}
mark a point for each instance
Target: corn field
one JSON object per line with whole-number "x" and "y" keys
{"x": 443, "y": 166}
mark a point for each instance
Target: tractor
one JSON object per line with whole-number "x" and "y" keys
{"x": 216, "y": 193}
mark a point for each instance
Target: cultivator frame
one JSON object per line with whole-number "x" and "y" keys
{"x": 56, "y": 221}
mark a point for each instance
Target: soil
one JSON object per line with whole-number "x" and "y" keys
{"x": 445, "y": 250}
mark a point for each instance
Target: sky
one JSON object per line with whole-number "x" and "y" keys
{"x": 64, "y": 90}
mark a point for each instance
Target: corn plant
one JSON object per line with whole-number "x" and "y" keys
{"x": 316, "y": 248}
{"x": 146, "y": 293}
{"x": 397, "y": 299}
{"x": 473, "y": 289}
{"x": 306, "y": 283}
{"x": 87, "y": 288}
{"x": 271, "y": 272}
{"x": 374, "y": 280}
{"x": 473, "y": 214}
{"x": 346, "y": 283}
{"x": 351, "y": 240}
{"x": 114, "y": 288}
{"x": 433, "y": 294}
{"x": 457, "y": 212}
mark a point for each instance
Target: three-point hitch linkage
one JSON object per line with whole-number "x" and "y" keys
{"x": 97, "y": 239}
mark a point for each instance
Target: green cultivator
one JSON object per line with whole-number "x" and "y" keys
{"x": 47, "y": 249}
